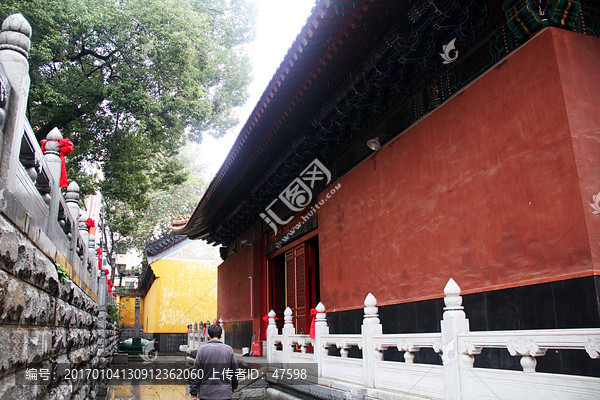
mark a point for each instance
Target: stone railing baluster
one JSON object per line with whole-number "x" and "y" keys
{"x": 223, "y": 328}
{"x": 454, "y": 322}
{"x": 321, "y": 329}
{"x": 288, "y": 329}
{"x": 271, "y": 333}
{"x": 205, "y": 337}
{"x": 15, "y": 41}
{"x": 52, "y": 157}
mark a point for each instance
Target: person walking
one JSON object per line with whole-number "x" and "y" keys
{"x": 214, "y": 369}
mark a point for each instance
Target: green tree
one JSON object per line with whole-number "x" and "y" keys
{"x": 129, "y": 81}
{"x": 164, "y": 206}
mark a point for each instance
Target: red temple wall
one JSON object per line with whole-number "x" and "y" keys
{"x": 234, "y": 286}
{"x": 578, "y": 58}
{"x": 486, "y": 190}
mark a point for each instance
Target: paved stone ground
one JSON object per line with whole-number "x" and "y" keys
{"x": 148, "y": 392}
{"x": 169, "y": 390}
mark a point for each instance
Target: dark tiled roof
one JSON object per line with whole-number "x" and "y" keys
{"x": 162, "y": 243}
{"x": 329, "y": 47}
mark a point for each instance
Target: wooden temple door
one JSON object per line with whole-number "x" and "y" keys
{"x": 276, "y": 288}
{"x": 301, "y": 284}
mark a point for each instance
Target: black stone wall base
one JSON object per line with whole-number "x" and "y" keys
{"x": 573, "y": 303}
{"x": 168, "y": 343}
{"x": 238, "y": 334}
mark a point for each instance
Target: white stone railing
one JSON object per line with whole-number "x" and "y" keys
{"x": 197, "y": 336}
{"x": 456, "y": 378}
{"x": 30, "y": 193}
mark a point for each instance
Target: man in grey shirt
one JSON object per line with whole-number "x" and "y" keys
{"x": 214, "y": 369}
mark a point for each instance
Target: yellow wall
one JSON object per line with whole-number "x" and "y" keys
{"x": 128, "y": 311}
{"x": 142, "y": 320}
{"x": 184, "y": 291}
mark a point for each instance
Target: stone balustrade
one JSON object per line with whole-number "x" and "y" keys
{"x": 197, "y": 337}
{"x": 52, "y": 294}
{"x": 30, "y": 193}
{"x": 456, "y": 345}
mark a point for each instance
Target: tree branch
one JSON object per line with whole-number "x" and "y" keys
{"x": 87, "y": 52}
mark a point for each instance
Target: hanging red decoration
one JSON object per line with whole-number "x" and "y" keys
{"x": 313, "y": 314}
{"x": 99, "y": 252}
{"x": 90, "y": 224}
{"x": 65, "y": 146}
{"x": 266, "y": 318}
{"x": 43, "y": 143}
{"x": 203, "y": 329}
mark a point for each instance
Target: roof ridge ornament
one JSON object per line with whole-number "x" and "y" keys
{"x": 16, "y": 34}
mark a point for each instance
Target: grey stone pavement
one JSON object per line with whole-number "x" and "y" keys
{"x": 125, "y": 390}
{"x": 148, "y": 392}
{"x": 163, "y": 391}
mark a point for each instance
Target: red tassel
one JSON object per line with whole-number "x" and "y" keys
{"x": 313, "y": 314}
{"x": 65, "y": 146}
{"x": 99, "y": 251}
{"x": 266, "y": 318}
{"x": 90, "y": 224}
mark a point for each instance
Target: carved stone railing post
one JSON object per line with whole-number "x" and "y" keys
{"x": 102, "y": 289}
{"x": 82, "y": 243}
{"x": 223, "y": 329}
{"x": 195, "y": 337}
{"x": 454, "y": 322}
{"x": 199, "y": 337}
{"x": 288, "y": 329}
{"x": 83, "y": 230}
{"x": 14, "y": 48}
{"x": 321, "y": 329}
{"x": 190, "y": 330}
{"x": 205, "y": 338}
{"x": 371, "y": 326}
{"x": 72, "y": 199}
{"x": 52, "y": 157}
{"x": 91, "y": 246}
{"x": 271, "y": 333}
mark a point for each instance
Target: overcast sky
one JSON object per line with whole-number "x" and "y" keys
{"x": 278, "y": 23}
